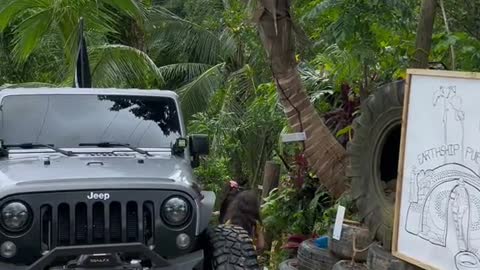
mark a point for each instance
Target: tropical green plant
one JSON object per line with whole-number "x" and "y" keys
{"x": 308, "y": 212}
{"x": 361, "y": 43}
{"x": 34, "y": 21}
{"x": 288, "y": 210}
{"x": 213, "y": 174}
{"x": 50, "y": 29}
{"x": 245, "y": 133}
{"x": 465, "y": 46}
{"x": 203, "y": 58}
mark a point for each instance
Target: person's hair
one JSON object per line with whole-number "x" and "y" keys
{"x": 230, "y": 191}
{"x": 244, "y": 211}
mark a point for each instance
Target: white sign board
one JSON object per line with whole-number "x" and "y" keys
{"x": 293, "y": 137}
{"x": 437, "y": 217}
{"x": 337, "y": 229}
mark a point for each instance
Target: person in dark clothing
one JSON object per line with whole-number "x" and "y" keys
{"x": 242, "y": 208}
{"x": 230, "y": 191}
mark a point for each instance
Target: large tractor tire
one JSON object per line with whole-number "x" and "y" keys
{"x": 230, "y": 248}
{"x": 374, "y": 154}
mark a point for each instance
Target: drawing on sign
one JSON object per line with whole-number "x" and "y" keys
{"x": 449, "y": 188}
{"x": 449, "y": 191}
{"x": 448, "y": 97}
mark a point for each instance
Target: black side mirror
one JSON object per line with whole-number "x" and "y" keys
{"x": 199, "y": 146}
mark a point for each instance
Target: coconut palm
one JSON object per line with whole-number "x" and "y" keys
{"x": 40, "y": 25}
{"x": 50, "y": 27}
{"x": 327, "y": 158}
{"x": 243, "y": 113}
{"x": 33, "y": 21}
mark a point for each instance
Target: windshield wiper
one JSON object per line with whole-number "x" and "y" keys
{"x": 32, "y": 145}
{"x": 110, "y": 144}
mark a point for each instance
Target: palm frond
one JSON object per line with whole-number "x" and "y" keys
{"x": 196, "y": 95}
{"x": 320, "y": 9}
{"x": 185, "y": 37}
{"x": 30, "y": 32}
{"x": 340, "y": 63}
{"x": 317, "y": 83}
{"x": 114, "y": 65}
{"x": 133, "y": 8}
{"x": 11, "y": 8}
{"x": 229, "y": 49}
{"x": 183, "y": 71}
{"x": 32, "y": 20}
{"x": 240, "y": 91}
{"x": 243, "y": 81}
{"x": 169, "y": 4}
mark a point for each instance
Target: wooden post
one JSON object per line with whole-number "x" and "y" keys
{"x": 271, "y": 178}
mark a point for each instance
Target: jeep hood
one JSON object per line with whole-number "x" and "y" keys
{"x": 87, "y": 173}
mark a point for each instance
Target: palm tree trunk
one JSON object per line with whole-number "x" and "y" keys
{"x": 326, "y": 157}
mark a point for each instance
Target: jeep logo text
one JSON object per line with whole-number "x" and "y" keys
{"x": 98, "y": 196}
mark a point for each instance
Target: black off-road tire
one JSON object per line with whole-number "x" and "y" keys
{"x": 230, "y": 248}
{"x": 347, "y": 265}
{"x": 343, "y": 248}
{"x": 381, "y": 259}
{"x": 374, "y": 158}
{"x": 291, "y": 264}
{"x": 310, "y": 257}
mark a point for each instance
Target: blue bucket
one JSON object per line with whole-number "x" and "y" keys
{"x": 321, "y": 242}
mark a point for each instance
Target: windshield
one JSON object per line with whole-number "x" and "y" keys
{"x": 67, "y": 120}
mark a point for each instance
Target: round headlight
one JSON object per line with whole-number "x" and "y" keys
{"x": 15, "y": 216}
{"x": 176, "y": 211}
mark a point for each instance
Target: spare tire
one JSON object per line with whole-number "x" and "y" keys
{"x": 343, "y": 248}
{"x": 347, "y": 265}
{"x": 374, "y": 154}
{"x": 311, "y": 257}
{"x": 379, "y": 258}
{"x": 290, "y": 264}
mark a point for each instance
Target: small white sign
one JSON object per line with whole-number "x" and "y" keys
{"x": 294, "y": 137}
{"x": 337, "y": 229}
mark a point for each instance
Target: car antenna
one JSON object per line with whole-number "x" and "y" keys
{"x": 82, "y": 78}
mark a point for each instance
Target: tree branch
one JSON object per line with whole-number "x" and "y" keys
{"x": 424, "y": 34}
{"x": 447, "y": 28}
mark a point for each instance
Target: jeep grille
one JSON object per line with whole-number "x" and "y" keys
{"x": 70, "y": 218}
{"x": 110, "y": 222}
